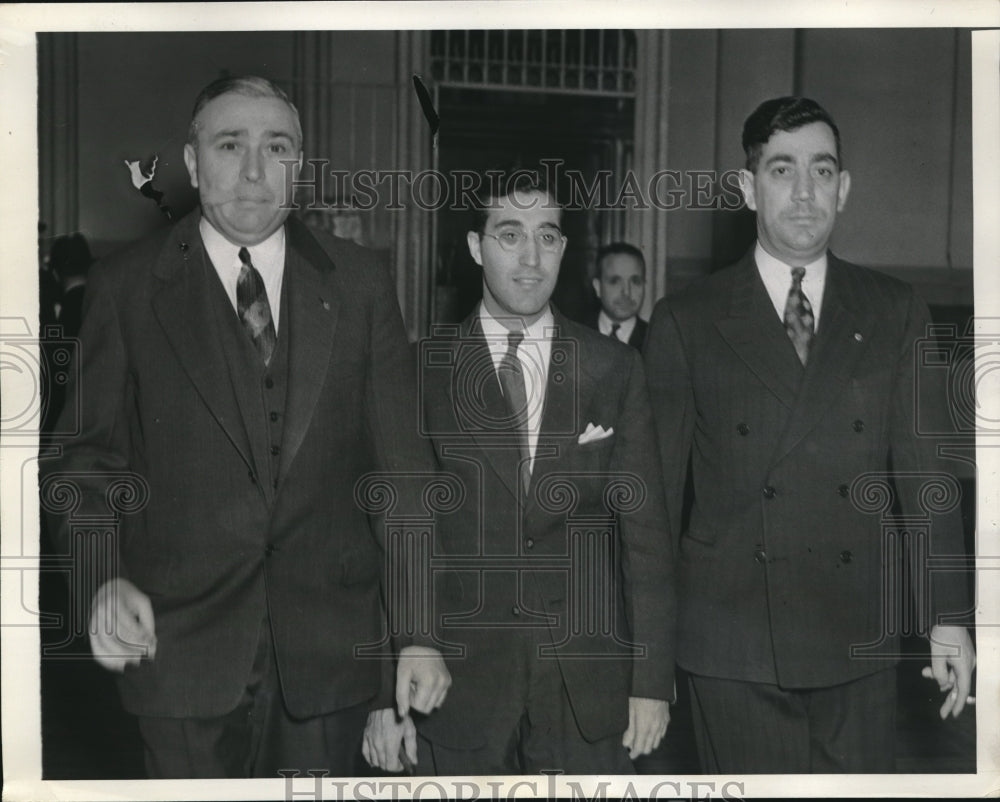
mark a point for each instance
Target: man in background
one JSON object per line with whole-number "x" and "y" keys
{"x": 620, "y": 286}
{"x": 790, "y": 379}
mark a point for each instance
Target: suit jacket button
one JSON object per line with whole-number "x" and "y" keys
{"x": 859, "y": 426}
{"x": 269, "y": 549}
{"x": 269, "y": 382}
{"x": 743, "y": 429}
{"x": 846, "y": 556}
{"x": 760, "y": 556}
{"x": 769, "y": 492}
{"x": 844, "y": 491}
{"x": 529, "y": 543}
{"x": 515, "y": 611}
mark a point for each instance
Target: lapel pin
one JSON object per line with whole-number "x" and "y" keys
{"x": 858, "y": 336}
{"x": 326, "y": 304}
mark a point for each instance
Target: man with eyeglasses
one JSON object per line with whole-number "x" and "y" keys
{"x": 556, "y": 612}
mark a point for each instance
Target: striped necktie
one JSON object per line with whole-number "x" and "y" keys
{"x": 800, "y": 323}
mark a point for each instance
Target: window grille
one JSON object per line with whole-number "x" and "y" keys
{"x": 598, "y": 62}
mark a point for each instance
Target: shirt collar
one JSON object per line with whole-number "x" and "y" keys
{"x": 264, "y": 254}
{"x": 493, "y": 329}
{"x": 772, "y": 266}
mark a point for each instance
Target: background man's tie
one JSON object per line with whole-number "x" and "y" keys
{"x": 799, "y": 320}
{"x": 512, "y": 382}
{"x": 614, "y": 330}
{"x": 253, "y": 308}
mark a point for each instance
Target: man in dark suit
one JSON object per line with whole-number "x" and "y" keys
{"x": 790, "y": 380}
{"x": 555, "y": 607}
{"x": 620, "y": 286}
{"x": 245, "y": 372}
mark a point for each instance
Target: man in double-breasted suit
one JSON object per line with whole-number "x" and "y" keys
{"x": 554, "y": 600}
{"x": 247, "y": 372}
{"x": 790, "y": 380}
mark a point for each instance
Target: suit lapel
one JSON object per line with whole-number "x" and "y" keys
{"x": 846, "y": 325}
{"x": 183, "y": 307}
{"x": 565, "y": 384}
{"x": 313, "y": 311}
{"x": 755, "y": 333}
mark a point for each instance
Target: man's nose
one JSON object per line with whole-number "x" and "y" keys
{"x": 253, "y": 165}
{"x": 805, "y": 186}
{"x": 529, "y": 250}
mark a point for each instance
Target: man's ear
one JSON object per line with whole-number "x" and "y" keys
{"x": 191, "y": 162}
{"x": 747, "y": 188}
{"x": 843, "y": 190}
{"x": 475, "y": 246}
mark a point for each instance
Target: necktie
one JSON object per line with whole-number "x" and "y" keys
{"x": 253, "y": 308}
{"x": 512, "y": 381}
{"x": 614, "y": 330}
{"x": 799, "y": 320}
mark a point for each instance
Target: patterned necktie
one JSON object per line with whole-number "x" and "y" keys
{"x": 512, "y": 381}
{"x": 614, "y": 330}
{"x": 253, "y": 308}
{"x": 799, "y": 320}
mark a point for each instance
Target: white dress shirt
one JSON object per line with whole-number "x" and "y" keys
{"x": 625, "y": 327}
{"x": 267, "y": 256}
{"x": 777, "y": 278}
{"x": 534, "y": 354}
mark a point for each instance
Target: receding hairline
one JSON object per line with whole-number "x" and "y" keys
{"x": 244, "y": 86}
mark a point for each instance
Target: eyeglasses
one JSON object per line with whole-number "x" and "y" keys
{"x": 547, "y": 239}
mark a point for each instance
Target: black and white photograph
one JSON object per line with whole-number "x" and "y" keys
{"x": 488, "y": 400}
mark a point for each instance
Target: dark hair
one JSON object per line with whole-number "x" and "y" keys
{"x": 246, "y": 85}
{"x": 503, "y": 183}
{"x": 782, "y": 114}
{"x": 70, "y": 256}
{"x": 615, "y": 248}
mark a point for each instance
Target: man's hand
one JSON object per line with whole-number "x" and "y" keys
{"x": 953, "y": 657}
{"x": 422, "y": 680}
{"x": 122, "y": 631}
{"x": 647, "y": 724}
{"x": 384, "y": 733}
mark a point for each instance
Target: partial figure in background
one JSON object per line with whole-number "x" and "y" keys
{"x": 787, "y": 378}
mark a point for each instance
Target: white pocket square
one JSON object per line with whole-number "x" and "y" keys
{"x": 593, "y": 433}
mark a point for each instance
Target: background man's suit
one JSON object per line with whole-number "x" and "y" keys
{"x": 637, "y": 339}
{"x": 590, "y": 380}
{"x": 251, "y": 471}
{"x": 779, "y": 572}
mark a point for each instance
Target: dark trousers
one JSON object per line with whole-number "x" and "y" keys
{"x": 257, "y": 738}
{"x": 532, "y": 730}
{"x": 756, "y": 728}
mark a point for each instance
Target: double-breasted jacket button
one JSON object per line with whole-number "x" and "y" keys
{"x": 844, "y": 491}
{"x": 769, "y": 492}
{"x": 269, "y": 549}
{"x": 846, "y": 556}
{"x": 743, "y": 429}
{"x": 760, "y": 556}
{"x": 269, "y": 383}
{"x": 529, "y": 543}
{"x": 859, "y": 425}
{"x": 515, "y": 611}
